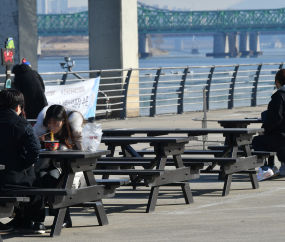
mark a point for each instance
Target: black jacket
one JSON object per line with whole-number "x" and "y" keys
{"x": 275, "y": 120}
{"x": 19, "y": 150}
{"x": 30, "y": 83}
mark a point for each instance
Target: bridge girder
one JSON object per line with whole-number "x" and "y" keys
{"x": 159, "y": 21}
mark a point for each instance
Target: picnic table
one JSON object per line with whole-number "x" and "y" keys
{"x": 239, "y": 123}
{"x": 153, "y": 173}
{"x": 237, "y": 138}
{"x": 64, "y": 196}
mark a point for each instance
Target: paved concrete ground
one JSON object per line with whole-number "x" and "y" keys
{"x": 245, "y": 215}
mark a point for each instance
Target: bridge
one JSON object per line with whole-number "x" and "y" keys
{"x": 153, "y": 20}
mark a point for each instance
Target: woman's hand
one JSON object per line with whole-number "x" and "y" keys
{"x": 42, "y": 138}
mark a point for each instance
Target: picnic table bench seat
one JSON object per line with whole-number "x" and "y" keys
{"x": 228, "y": 166}
{"x": 213, "y": 150}
{"x": 151, "y": 178}
{"x": 113, "y": 182}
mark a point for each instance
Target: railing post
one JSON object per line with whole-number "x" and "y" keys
{"x": 180, "y": 107}
{"x": 123, "y": 113}
{"x": 232, "y": 88}
{"x": 254, "y": 88}
{"x": 64, "y": 77}
{"x": 152, "y": 111}
{"x": 208, "y": 87}
{"x": 204, "y": 121}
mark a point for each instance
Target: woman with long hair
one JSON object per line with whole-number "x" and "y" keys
{"x": 66, "y": 125}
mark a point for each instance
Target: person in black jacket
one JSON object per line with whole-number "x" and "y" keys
{"x": 273, "y": 138}
{"x": 19, "y": 151}
{"x": 30, "y": 83}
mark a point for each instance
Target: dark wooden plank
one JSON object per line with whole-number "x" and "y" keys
{"x": 111, "y": 182}
{"x": 43, "y": 191}
{"x": 190, "y": 132}
{"x": 134, "y": 140}
{"x": 129, "y": 172}
{"x": 73, "y": 154}
{"x": 14, "y": 199}
{"x": 145, "y": 163}
{"x": 240, "y": 121}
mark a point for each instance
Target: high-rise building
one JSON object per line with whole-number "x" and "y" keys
{"x": 57, "y": 6}
{"x": 42, "y": 7}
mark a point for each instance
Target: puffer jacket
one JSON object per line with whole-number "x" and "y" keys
{"x": 275, "y": 120}
{"x": 19, "y": 150}
{"x": 30, "y": 83}
{"x": 75, "y": 120}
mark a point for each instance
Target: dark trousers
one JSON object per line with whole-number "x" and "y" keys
{"x": 270, "y": 142}
{"x": 49, "y": 179}
{"x": 33, "y": 211}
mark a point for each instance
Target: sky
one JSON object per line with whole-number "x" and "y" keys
{"x": 218, "y": 4}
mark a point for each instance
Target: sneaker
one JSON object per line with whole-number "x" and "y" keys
{"x": 282, "y": 169}
{"x": 39, "y": 228}
{"x": 275, "y": 171}
{"x": 264, "y": 173}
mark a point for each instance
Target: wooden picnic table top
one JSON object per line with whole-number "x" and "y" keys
{"x": 73, "y": 154}
{"x": 240, "y": 121}
{"x": 133, "y": 140}
{"x": 190, "y": 132}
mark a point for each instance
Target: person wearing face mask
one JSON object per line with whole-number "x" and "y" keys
{"x": 66, "y": 124}
{"x": 273, "y": 138}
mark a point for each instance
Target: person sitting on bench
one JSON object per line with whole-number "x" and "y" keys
{"x": 19, "y": 151}
{"x": 66, "y": 124}
{"x": 273, "y": 138}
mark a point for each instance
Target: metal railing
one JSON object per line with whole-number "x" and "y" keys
{"x": 178, "y": 89}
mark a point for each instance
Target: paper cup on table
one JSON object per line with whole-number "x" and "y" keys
{"x": 52, "y": 145}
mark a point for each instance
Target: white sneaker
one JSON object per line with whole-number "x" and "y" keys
{"x": 275, "y": 171}
{"x": 262, "y": 174}
{"x": 282, "y": 169}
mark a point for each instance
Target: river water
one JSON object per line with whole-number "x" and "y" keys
{"x": 195, "y": 80}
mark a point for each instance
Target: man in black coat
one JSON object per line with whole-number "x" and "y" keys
{"x": 19, "y": 151}
{"x": 273, "y": 138}
{"x": 30, "y": 83}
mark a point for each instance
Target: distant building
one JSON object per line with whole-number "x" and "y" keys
{"x": 77, "y": 9}
{"x": 166, "y": 7}
{"x": 156, "y": 6}
{"x": 42, "y": 7}
{"x": 57, "y": 6}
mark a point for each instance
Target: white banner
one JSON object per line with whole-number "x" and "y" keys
{"x": 80, "y": 95}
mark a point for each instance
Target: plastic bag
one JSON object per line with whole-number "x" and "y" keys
{"x": 91, "y": 136}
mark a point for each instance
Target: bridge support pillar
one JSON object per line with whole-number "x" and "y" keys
{"x": 113, "y": 44}
{"x": 254, "y": 44}
{"x": 221, "y": 46}
{"x": 143, "y": 46}
{"x": 233, "y": 45}
{"x": 19, "y": 21}
{"x": 178, "y": 44}
{"x": 244, "y": 45}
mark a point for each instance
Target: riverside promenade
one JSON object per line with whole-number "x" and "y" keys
{"x": 245, "y": 215}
